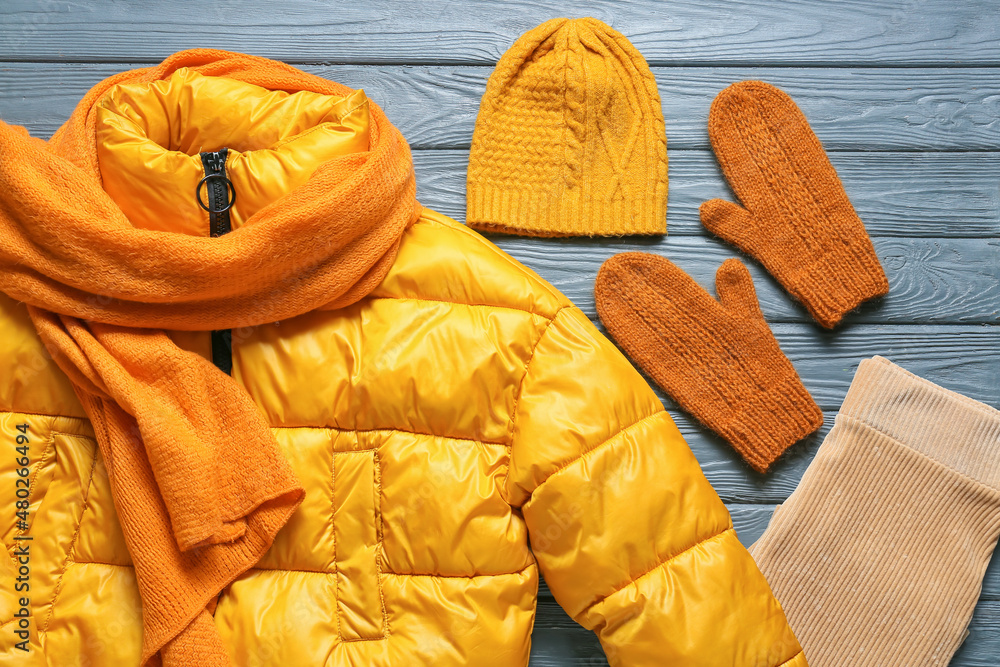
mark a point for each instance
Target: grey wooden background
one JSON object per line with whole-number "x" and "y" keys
{"x": 904, "y": 94}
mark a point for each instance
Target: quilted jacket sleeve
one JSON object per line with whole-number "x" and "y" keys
{"x": 631, "y": 538}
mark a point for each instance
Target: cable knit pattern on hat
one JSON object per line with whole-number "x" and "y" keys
{"x": 796, "y": 218}
{"x": 570, "y": 138}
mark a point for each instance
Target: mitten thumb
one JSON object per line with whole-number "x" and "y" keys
{"x": 728, "y": 221}
{"x": 736, "y": 292}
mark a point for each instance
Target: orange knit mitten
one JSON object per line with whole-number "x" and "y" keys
{"x": 797, "y": 218}
{"x": 717, "y": 359}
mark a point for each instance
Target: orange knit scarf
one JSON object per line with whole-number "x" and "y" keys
{"x": 199, "y": 483}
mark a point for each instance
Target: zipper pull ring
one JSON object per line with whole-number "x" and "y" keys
{"x": 216, "y": 162}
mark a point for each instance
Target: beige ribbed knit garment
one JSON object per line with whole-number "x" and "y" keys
{"x": 878, "y": 556}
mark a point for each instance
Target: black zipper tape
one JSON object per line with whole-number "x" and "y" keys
{"x": 221, "y": 196}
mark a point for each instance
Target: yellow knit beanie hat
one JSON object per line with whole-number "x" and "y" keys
{"x": 570, "y": 139}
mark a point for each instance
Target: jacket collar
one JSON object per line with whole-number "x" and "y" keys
{"x": 151, "y": 138}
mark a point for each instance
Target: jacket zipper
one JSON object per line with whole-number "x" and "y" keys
{"x": 217, "y": 191}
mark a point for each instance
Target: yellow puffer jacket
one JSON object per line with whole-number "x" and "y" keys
{"x": 462, "y": 409}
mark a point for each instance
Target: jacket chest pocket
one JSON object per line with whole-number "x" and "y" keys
{"x": 358, "y": 545}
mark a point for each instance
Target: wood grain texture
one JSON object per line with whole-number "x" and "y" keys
{"x": 931, "y": 280}
{"x": 787, "y": 32}
{"x": 961, "y": 358}
{"x": 435, "y": 107}
{"x": 907, "y": 194}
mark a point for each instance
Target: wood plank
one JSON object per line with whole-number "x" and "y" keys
{"x": 732, "y": 478}
{"x": 896, "y": 194}
{"x": 786, "y": 32}
{"x": 931, "y": 280}
{"x": 982, "y": 647}
{"x": 558, "y": 641}
{"x": 961, "y": 358}
{"x": 436, "y": 107}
